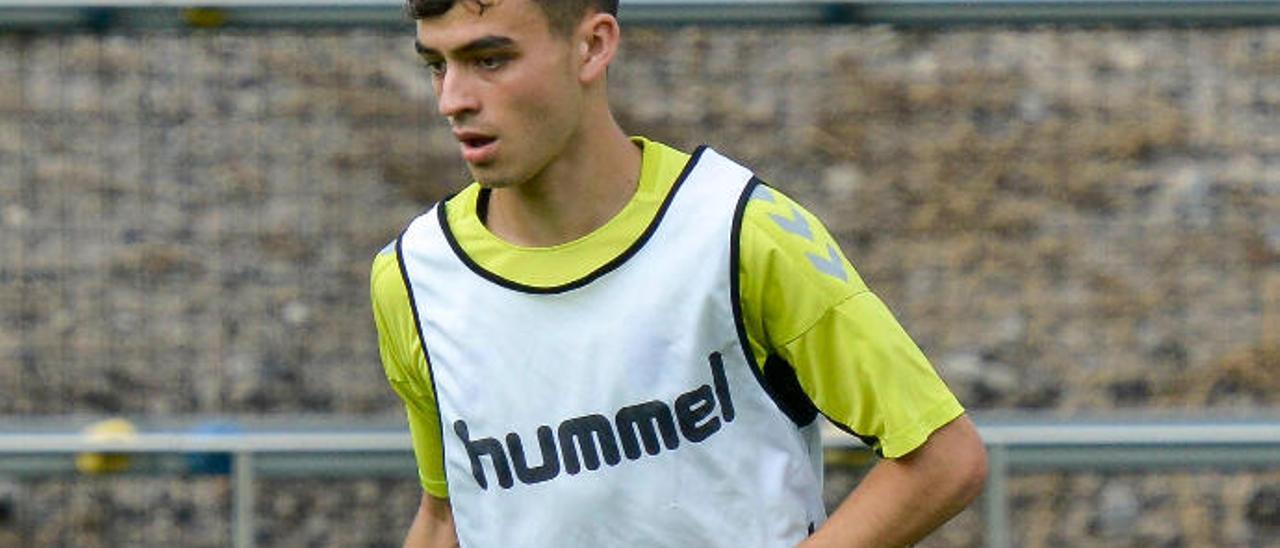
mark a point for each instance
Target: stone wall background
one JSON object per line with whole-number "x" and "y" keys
{"x": 1066, "y": 220}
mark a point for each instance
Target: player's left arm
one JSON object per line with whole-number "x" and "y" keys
{"x": 805, "y": 305}
{"x": 904, "y": 499}
{"x": 862, "y": 370}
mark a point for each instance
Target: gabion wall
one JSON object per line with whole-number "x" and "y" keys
{"x": 1066, "y": 220}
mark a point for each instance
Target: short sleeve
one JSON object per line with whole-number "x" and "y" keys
{"x": 805, "y": 305}
{"x": 405, "y": 365}
{"x": 862, "y": 370}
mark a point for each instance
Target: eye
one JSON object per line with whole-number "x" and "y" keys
{"x": 492, "y": 62}
{"x": 436, "y": 67}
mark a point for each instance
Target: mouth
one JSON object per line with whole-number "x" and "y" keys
{"x": 476, "y": 147}
{"x": 477, "y": 142}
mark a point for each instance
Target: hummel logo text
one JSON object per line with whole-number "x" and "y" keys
{"x": 587, "y": 440}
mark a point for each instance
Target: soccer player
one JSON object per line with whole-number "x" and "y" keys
{"x": 605, "y": 341}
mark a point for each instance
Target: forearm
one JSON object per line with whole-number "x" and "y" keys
{"x": 433, "y": 525}
{"x": 902, "y": 500}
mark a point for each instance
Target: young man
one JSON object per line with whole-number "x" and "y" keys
{"x": 608, "y": 342}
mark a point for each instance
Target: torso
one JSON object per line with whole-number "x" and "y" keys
{"x": 619, "y": 409}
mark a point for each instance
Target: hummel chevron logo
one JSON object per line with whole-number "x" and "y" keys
{"x": 762, "y": 193}
{"x": 831, "y": 265}
{"x": 796, "y": 224}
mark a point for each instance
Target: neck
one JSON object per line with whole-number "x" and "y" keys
{"x": 575, "y": 194}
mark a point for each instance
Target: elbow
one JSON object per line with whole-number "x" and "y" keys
{"x": 968, "y": 465}
{"x": 958, "y": 460}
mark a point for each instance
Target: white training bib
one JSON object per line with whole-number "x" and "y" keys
{"x": 618, "y": 410}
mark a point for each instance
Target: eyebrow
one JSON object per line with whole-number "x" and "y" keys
{"x": 479, "y": 44}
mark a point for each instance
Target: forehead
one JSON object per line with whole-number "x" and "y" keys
{"x": 518, "y": 20}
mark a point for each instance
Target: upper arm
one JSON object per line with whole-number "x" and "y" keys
{"x": 804, "y": 304}
{"x": 791, "y": 270}
{"x": 954, "y": 454}
{"x": 405, "y": 365}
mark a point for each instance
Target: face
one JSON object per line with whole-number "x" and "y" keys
{"x": 506, "y": 83}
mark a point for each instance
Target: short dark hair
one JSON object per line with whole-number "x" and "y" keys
{"x": 561, "y": 14}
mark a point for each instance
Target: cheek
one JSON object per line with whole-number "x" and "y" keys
{"x": 546, "y": 106}
{"x": 550, "y": 86}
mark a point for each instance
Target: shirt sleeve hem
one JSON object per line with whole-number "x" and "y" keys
{"x": 937, "y": 417}
{"x": 436, "y": 488}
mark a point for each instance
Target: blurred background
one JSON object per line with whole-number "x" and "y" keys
{"x": 1074, "y": 207}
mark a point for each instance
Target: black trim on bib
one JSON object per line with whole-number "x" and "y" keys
{"x": 593, "y": 275}
{"x": 482, "y": 205}
{"x": 422, "y": 340}
{"x": 800, "y": 410}
{"x": 735, "y": 274}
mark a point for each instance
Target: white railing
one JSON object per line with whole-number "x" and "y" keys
{"x": 1015, "y": 444}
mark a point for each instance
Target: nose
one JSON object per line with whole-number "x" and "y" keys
{"x": 455, "y": 95}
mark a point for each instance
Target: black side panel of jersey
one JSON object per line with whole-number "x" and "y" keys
{"x": 871, "y": 441}
{"x": 781, "y": 383}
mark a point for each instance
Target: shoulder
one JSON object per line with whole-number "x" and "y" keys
{"x": 791, "y": 270}
{"x": 393, "y": 317}
{"x": 385, "y": 281}
{"x": 779, "y": 232}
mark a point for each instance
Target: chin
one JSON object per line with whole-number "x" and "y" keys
{"x": 492, "y": 183}
{"x": 491, "y": 180}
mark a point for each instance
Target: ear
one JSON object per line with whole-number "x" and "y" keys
{"x": 596, "y": 40}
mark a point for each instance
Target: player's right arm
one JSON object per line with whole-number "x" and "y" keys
{"x": 405, "y": 365}
{"x": 433, "y": 526}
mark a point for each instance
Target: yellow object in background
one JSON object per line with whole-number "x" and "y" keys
{"x": 205, "y": 17}
{"x": 106, "y": 463}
